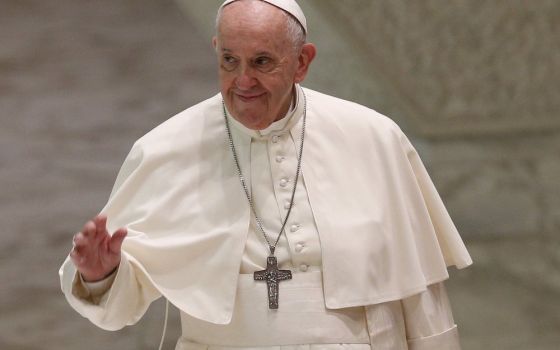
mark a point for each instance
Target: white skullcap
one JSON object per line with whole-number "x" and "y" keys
{"x": 289, "y": 6}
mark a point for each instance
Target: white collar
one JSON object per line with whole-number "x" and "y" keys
{"x": 278, "y": 127}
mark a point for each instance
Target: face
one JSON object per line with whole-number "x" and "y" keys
{"x": 258, "y": 64}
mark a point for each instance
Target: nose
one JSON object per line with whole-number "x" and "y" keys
{"x": 245, "y": 79}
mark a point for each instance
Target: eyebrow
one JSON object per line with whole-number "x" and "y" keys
{"x": 260, "y": 53}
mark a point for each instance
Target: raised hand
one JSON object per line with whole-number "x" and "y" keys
{"x": 95, "y": 252}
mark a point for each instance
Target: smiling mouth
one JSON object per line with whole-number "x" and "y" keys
{"x": 249, "y": 98}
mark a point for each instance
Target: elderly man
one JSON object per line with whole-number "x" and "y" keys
{"x": 272, "y": 216}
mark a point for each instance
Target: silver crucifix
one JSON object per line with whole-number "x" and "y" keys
{"x": 272, "y": 276}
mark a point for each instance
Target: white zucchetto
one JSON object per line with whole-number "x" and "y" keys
{"x": 289, "y": 6}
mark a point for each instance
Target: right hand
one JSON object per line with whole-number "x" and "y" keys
{"x": 95, "y": 252}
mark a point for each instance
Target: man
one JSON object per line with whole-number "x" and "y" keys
{"x": 271, "y": 215}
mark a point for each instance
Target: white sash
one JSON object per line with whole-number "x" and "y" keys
{"x": 302, "y": 318}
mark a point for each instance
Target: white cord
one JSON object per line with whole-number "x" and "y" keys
{"x": 164, "y": 324}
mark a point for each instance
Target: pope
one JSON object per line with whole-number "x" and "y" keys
{"x": 271, "y": 215}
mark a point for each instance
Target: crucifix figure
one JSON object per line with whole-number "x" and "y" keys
{"x": 272, "y": 276}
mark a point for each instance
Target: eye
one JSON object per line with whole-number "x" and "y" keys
{"x": 262, "y": 61}
{"x": 229, "y": 62}
{"x": 229, "y": 59}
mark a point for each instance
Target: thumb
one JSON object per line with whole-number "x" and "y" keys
{"x": 116, "y": 240}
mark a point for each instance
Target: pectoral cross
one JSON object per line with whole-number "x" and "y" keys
{"x": 272, "y": 276}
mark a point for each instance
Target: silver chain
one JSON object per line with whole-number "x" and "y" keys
{"x": 244, "y": 184}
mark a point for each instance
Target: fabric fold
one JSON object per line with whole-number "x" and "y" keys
{"x": 447, "y": 340}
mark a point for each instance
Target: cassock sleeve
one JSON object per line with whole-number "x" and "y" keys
{"x": 421, "y": 322}
{"x": 429, "y": 321}
{"x": 96, "y": 289}
{"x": 127, "y": 297}
{"x": 123, "y": 304}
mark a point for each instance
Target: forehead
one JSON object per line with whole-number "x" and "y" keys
{"x": 253, "y": 24}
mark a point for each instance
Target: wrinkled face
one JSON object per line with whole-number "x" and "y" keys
{"x": 258, "y": 64}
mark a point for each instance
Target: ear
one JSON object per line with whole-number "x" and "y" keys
{"x": 308, "y": 52}
{"x": 215, "y": 42}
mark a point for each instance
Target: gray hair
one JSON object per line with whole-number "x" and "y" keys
{"x": 295, "y": 30}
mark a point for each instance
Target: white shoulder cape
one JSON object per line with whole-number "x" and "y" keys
{"x": 384, "y": 231}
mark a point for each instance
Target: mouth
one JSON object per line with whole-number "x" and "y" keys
{"x": 248, "y": 97}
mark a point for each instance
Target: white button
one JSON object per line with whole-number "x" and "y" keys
{"x": 294, "y": 228}
{"x": 299, "y": 247}
{"x": 275, "y": 138}
{"x": 279, "y": 159}
{"x": 283, "y": 182}
{"x": 303, "y": 267}
{"x": 287, "y": 205}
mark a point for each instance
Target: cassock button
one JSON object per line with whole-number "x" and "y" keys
{"x": 299, "y": 247}
{"x": 303, "y": 267}
{"x": 287, "y": 205}
{"x": 275, "y": 138}
{"x": 279, "y": 159}
{"x": 294, "y": 228}
{"x": 283, "y": 182}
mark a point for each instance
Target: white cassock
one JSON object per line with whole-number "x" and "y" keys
{"x": 368, "y": 240}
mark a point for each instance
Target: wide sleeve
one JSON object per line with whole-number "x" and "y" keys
{"x": 123, "y": 304}
{"x": 131, "y": 291}
{"x": 420, "y": 322}
{"x": 429, "y": 321}
{"x": 386, "y": 326}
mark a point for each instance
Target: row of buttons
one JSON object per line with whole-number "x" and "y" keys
{"x": 299, "y": 247}
{"x": 295, "y": 227}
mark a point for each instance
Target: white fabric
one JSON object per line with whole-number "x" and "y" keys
{"x": 124, "y": 304}
{"x": 180, "y": 198}
{"x": 303, "y": 322}
{"x": 273, "y": 162}
{"x": 290, "y": 6}
{"x": 401, "y": 325}
{"x": 302, "y": 318}
{"x": 96, "y": 289}
{"x": 427, "y": 315}
{"x": 388, "y": 325}
{"x": 429, "y": 322}
{"x": 447, "y": 340}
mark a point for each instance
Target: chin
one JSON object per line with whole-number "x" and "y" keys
{"x": 253, "y": 124}
{"x": 252, "y": 120}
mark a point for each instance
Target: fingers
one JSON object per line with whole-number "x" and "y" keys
{"x": 79, "y": 244}
{"x": 100, "y": 225}
{"x": 89, "y": 230}
{"x": 95, "y": 229}
{"x": 79, "y": 241}
{"x": 92, "y": 232}
{"x": 95, "y": 242}
{"x": 117, "y": 239}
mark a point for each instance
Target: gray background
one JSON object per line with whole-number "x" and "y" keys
{"x": 475, "y": 85}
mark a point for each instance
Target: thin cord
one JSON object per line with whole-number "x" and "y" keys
{"x": 164, "y": 324}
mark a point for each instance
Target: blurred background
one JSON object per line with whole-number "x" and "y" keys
{"x": 475, "y": 84}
